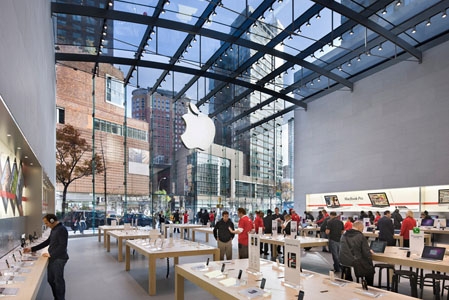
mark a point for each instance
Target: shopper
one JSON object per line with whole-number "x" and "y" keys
{"x": 268, "y": 225}
{"x": 354, "y": 245}
{"x": 408, "y": 224}
{"x": 279, "y": 219}
{"x": 334, "y": 230}
{"x": 323, "y": 227}
{"x": 57, "y": 255}
{"x": 349, "y": 223}
{"x": 245, "y": 227}
{"x": 176, "y": 220}
{"x": 224, "y": 236}
{"x": 386, "y": 229}
{"x": 397, "y": 219}
{"x": 82, "y": 223}
{"x": 286, "y": 226}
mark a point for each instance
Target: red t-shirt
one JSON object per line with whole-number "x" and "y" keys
{"x": 247, "y": 225}
{"x": 186, "y": 218}
{"x": 258, "y": 223}
{"x": 348, "y": 225}
{"x": 406, "y": 226}
{"x": 297, "y": 218}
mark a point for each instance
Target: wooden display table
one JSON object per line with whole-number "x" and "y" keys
{"x": 29, "y": 288}
{"x": 396, "y": 237}
{"x": 181, "y": 228}
{"x": 105, "y": 229}
{"x": 280, "y": 240}
{"x": 396, "y": 256}
{"x": 180, "y": 248}
{"x": 122, "y": 235}
{"x": 306, "y": 230}
{"x": 205, "y": 230}
{"x": 314, "y": 285}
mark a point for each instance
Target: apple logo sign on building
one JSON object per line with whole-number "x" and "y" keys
{"x": 200, "y": 129}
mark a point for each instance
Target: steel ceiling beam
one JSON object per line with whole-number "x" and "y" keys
{"x": 371, "y": 25}
{"x": 163, "y": 66}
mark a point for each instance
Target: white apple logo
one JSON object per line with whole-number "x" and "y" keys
{"x": 200, "y": 130}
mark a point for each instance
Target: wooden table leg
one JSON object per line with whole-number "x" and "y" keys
{"x": 176, "y": 260}
{"x": 193, "y": 235}
{"x": 179, "y": 286}
{"x": 104, "y": 237}
{"x": 217, "y": 254}
{"x": 151, "y": 275}
{"x": 99, "y": 235}
{"x": 120, "y": 250}
{"x": 127, "y": 258}
{"x": 108, "y": 243}
{"x": 207, "y": 237}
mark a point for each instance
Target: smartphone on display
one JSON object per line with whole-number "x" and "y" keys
{"x": 207, "y": 262}
{"x": 222, "y": 268}
{"x": 292, "y": 260}
{"x": 408, "y": 253}
{"x": 262, "y": 283}
{"x": 240, "y": 274}
{"x": 301, "y": 295}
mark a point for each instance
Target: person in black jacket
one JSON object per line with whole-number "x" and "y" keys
{"x": 57, "y": 255}
{"x": 224, "y": 236}
{"x": 397, "y": 219}
{"x": 386, "y": 229}
{"x": 268, "y": 225}
{"x": 353, "y": 245}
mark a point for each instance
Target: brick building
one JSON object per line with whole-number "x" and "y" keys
{"x": 76, "y": 105}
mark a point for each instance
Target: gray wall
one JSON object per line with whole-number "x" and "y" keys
{"x": 392, "y": 131}
{"x": 27, "y": 85}
{"x": 27, "y": 74}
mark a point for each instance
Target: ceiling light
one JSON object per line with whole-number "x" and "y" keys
{"x": 262, "y": 18}
{"x": 194, "y": 40}
{"x": 282, "y": 43}
{"x": 26, "y": 156}
{"x": 271, "y": 9}
{"x": 312, "y": 55}
{"x": 19, "y": 148}
{"x": 8, "y": 134}
{"x": 368, "y": 53}
{"x": 318, "y": 16}
{"x": 190, "y": 45}
{"x": 308, "y": 23}
{"x": 414, "y": 29}
{"x": 220, "y": 59}
{"x": 110, "y": 3}
{"x": 285, "y": 73}
{"x": 280, "y": 1}
{"x": 254, "y": 25}
{"x": 351, "y": 32}
{"x": 290, "y": 37}
{"x": 380, "y": 47}
{"x": 208, "y": 21}
{"x": 231, "y": 49}
{"x": 318, "y": 79}
{"x": 443, "y": 14}
{"x": 321, "y": 50}
{"x": 358, "y": 58}
{"x": 428, "y": 23}
{"x": 384, "y": 12}
{"x": 311, "y": 83}
{"x": 214, "y": 13}
{"x": 398, "y": 3}
{"x": 163, "y": 11}
{"x": 340, "y": 68}
{"x": 340, "y": 38}
{"x": 152, "y": 31}
{"x": 247, "y": 32}
{"x": 299, "y": 30}
{"x": 167, "y": 2}
{"x": 225, "y": 54}
{"x": 293, "y": 68}
{"x": 349, "y": 64}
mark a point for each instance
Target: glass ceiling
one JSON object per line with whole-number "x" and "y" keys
{"x": 293, "y": 51}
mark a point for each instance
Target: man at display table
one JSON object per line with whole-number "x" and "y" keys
{"x": 224, "y": 236}
{"x": 244, "y": 228}
{"x": 57, "y": 255}
{"x": 386, "y": 229}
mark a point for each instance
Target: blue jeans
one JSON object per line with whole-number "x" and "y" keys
{"x": 334, "y": 248}
{"x": 55, "y": 277}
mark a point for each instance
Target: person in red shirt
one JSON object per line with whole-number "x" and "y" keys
{"x": 376, "y": 218}
{"x": 212, "y": 218}
{"x": 244, "y": 228}
{"x": 407, "y": 224}
{"x": 297, "y": 219}
{"x": 348, "y": 224}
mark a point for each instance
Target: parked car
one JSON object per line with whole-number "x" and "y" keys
{"x": 115, "y": 217}
{"x": 142, "y": 219}
{"x": 71, "y": 216}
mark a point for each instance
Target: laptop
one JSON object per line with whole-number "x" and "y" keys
{"x": 427, "y": 222}
{"x": 431, "y": 253}
{"x": 378, "y": 246}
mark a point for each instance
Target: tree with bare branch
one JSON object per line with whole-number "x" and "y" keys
{"x": 71, "y": 159}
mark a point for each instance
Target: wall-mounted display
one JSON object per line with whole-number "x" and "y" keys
{"x": 332, "y": 201}
{"x": 378, "y": 199}
{"x": 443, "y": 196}
{"x": 6, "y": 183}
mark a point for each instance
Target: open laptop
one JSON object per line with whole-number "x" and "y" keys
{"x": 378, "y": 246}
{"x": 431, "y": 253}
{"x": 427, "y": 223}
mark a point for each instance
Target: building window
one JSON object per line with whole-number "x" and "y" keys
{"x": 60, "y": 115}
{"x": 115, "y": 92}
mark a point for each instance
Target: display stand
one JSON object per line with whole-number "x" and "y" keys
{"x": 254, "y": 254}
{"x": 416, "y": 242}
{"x": 292, "y": 263}
{"x": 274, "y": 228}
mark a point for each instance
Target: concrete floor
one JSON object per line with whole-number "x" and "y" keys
{"x": 93, "y": 273}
